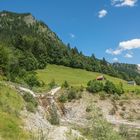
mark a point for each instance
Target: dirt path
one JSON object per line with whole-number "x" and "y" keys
{"x": 53, "y": 91}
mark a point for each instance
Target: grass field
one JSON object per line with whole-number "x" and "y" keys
{"x": 75, "y": 77}
{"x": 11, "y": 104}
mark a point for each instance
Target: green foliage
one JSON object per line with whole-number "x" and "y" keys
{"x": 32, "y": 80}
{"x": 111, "y": 88}
{"x": 11, "y": 103}
{"x": 30, "y": 107}
{"x": 54, "y": 118}
{"x": 98, "y": 128}
{"x": 65, "y": 84}
{"x": 101, "y": 129}
{"x": 27, "y": 47}
{"x": 52, "y": 84}
{"x": 119, "y": 89}
{"x": 102, "y": 96}
{"x": 94, "y": 86}
{"x": 76, "y": 77}
{"x": 62, "y": 98}
{"x": 137, "y": 79}
{"x": 72, "y": 94}
{"x": 4, "y": 58}
{"x": 29, "y": 98}
{"x": 31, "y": 102}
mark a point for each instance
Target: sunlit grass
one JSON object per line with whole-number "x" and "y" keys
{"x": 75, "y": 77}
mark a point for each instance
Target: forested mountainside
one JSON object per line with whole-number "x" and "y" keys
{"x": 27, "y": 44}
{"x": 128, "y": 70}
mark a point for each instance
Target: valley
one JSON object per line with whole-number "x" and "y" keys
{"x": 50, "y": 90}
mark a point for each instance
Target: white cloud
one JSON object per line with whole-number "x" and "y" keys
{"x": 102, "y": 13}
{"x": 72, "y": 35}
{"x": 115, "y": 59}
{"x": 128, "y": 55}
{"x": 123, "y": 3}
{"x": 114, "y": 52}
{"x": 124, "y": 46}
{"x": 130, "y": 44}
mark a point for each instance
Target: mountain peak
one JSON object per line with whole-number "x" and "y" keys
{"x": 13, "y": 13}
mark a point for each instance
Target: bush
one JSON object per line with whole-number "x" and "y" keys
{"x": 29, "y": 98}
{"x": 94, "y": 86}
{"x": 62, "y": 98}
{"x": 31, "y": 102}
{"x": 30, "y": 107}
{"x": 52, "y": 84}
{"x": 65, "y": 84}
{"x": 119, "y": 89}
{"x": 32, "y": 80}
{"x": 101, "y": 129}
{"x": 109, "y": 87}
{"x": 54, "y": 118}
{"x": 72, "y": 94}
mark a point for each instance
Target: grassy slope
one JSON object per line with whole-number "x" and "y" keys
{"x": 10, "y": 105}
{"x": 75, "y": 77}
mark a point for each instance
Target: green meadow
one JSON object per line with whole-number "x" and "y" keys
{"x": 75, "y": 77}
{"x": 11, "y": 103}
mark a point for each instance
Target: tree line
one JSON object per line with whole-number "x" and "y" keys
{"x": 27, "y": 47}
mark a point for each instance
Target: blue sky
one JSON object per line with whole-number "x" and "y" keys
{"x": 107, "y": 28}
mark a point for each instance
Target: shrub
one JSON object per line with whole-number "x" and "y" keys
{"x": 62, "y": 98}
{"x": 30, "y": 107}
{"x": 29, "y": 98}
{"x": 119, "y": 89}
{"x": 109, "y": 87}
{"x": 31, "y": 102}
{"x": 101, "y": 129}
{"x": 32, "y": 81}
{"x": 65, "y": 84}
{"x": 94, "y": 86}
{"x": 72, "y": 94}
{"x": 52, "y": 84}
{"x": 137, "y": 91}
{"x": 54, "y": 118}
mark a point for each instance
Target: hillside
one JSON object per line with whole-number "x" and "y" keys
{"x": 75, "y": 77}
{"x": 78, "y": 118}
{"x": 34, "y": 63}
{"x": 27, "y": 44}
{"x": 11, "y": 103}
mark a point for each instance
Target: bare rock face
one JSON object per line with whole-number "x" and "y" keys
{"x": 139, "y": 68}
{"x": 29, "y": 19}
{"x": 35, "y": 121}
